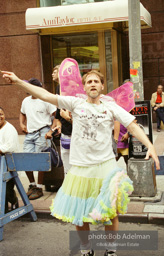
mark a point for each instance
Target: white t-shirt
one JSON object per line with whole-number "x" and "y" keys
{"x": 38, "y": 113}
{"x": 91, "y": 141}
{"x": 9, "y": 139}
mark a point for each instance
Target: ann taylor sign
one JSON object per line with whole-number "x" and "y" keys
{"x": 67, "y": 21}
{"x": 81, "y": 14}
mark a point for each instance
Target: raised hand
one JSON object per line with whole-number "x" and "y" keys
{"x": 10, "y": 77}
{"x": 151, "y": 153}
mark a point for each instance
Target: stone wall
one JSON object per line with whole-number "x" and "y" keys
{"x": 20, "y": 53}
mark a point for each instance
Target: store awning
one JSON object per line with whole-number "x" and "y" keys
{"x": 83, "y": 14}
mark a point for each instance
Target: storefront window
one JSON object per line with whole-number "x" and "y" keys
{"x": 83, "y": 48}
{"x": 68, "y": 2}
{"x": 45, "y": 3}
{"x": 91, "y": 50}
{"x": 108, "y": 53}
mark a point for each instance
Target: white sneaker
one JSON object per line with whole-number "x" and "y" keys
{"x": 110, "y": 253}
{"x": 90, "y": 253}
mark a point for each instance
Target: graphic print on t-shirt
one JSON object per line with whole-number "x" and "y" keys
{"x": 89, "y": 128}
{"x": 90, "y": 131}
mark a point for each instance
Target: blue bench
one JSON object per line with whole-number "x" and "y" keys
{"x": 10, "y": 164}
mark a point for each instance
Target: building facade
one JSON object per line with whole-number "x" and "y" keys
{"x": 152, "y": 49}
{"x": 103, "y": 46}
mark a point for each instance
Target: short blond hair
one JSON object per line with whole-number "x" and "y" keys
{"x": 95, "y": 72}
{"x": 56, "y": 67}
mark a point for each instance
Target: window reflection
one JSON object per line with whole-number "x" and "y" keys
{"x": 46, "y": 3}
{"x": 68, "y": 2}
{"x": 108, "y": 54}
{"x": 83, "y": 48}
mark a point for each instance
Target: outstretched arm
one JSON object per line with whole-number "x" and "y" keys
{"x": 116, "y": 130}
{"x": 136, "y": 131}
{"x": 35, "y": 91}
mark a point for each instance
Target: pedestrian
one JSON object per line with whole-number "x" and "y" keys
{"x": 82, "y": 198}
{"x": 8, "y": 143}
{"x": 157, "y": 102}
{"x": 65, "y": 118}
{"x": 36, "y": 123}
{"x": 123, "y": 144}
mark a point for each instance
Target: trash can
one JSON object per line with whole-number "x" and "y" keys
{"x": 141, "y": 172}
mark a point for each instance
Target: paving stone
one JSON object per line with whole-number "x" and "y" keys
{"x": 154, "y": 208}
{"x": 135, "y": 207}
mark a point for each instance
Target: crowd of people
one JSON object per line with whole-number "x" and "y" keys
{"x": 95, "y": 190}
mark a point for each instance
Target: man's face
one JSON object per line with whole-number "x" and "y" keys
{"x": 93, "y": 86}
{"x": 160, "y": 89}
{"x": 2, "y": 118}
{"x": 55, "y": 75}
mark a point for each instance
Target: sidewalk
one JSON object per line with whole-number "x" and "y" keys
{"x": 140, "y": 210}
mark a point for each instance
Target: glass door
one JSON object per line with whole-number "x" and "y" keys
{"x": 81, "y": 47}
{"x": 94, "y": 50}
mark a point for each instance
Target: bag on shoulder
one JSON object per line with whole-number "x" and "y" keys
{"x": 56, "y": 160}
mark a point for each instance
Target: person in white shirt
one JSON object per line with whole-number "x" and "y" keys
{"x": 95, "y": 190}
{"x": 64, "y": 126}
{"x": 36, "y": 123}
{"x": 8, "y": 143}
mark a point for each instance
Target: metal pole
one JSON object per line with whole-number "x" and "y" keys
{"x": 135, "y": 48}
{"x": 136, "y": 75}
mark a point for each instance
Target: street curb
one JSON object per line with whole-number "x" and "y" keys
{"x": 134, "y": 218}
{"x": 123, "y": 218}
{"x": 156, "y": 218}
{"x": 143, "y": 218}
